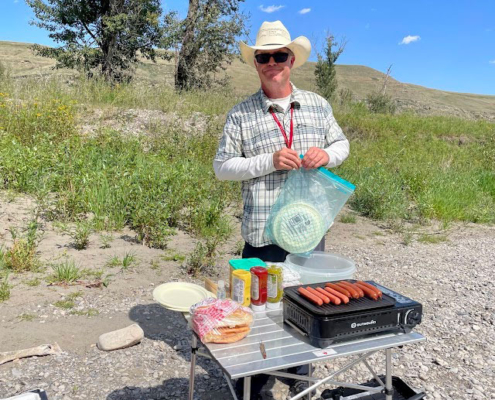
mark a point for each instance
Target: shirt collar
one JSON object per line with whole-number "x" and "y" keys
{"x": 295, "y": 97}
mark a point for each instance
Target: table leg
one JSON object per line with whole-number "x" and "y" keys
{"x": 310, "y": 374}
{"x": 194, "y": 349}
{"x": 388, "y": 375}
{"x": 247, "y": 388}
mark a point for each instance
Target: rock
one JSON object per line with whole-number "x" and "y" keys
{"x": 121, "y": 338}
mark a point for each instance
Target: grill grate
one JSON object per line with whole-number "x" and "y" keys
{"x": 355, "y": 305}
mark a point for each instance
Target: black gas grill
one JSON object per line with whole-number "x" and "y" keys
{"x": 359, "y": 318}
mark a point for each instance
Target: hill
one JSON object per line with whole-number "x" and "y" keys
{"x": 361, "y": 80}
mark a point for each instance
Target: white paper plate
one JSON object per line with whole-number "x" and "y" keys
{"x": 179, "y": 296}
{"x": 298, "y": 227}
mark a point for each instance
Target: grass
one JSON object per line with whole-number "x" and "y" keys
{"x": 106, "y": 241}
{"x": 26, "y": 317}
{"x": 80, "y": 235}
{"x": 127, "y": 260}
{"x": 4, "y": 289}
{"x": 21, "y": 256}
{"x": 405, "y": 167}
{"x": 432, "y": 239}
{"x": 65, "y": 273}
{"x": 348, "y": 218}
{"x": 65, "y": 304}
{"x": 173, "y": 256}
{"x": 90, "y": 312}
{"x": 33, "y": 282}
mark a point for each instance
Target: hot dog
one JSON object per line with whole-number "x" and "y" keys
{"x": 324, "y": 297}
{"x": 369, "y": 292}
{"x": 374, "y": 288}
{"x": 336, "y": 293}
{"x": 310, "y": 296}
{"x": 354, "y": 293}
{"x": 334, "y": 299}
{"x": 349, "y": 284}
{"x": 338, "y": 289}
{"x": 323, "y": 293}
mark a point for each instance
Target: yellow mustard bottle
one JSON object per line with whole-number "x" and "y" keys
{"x": 241, "y": 287}
{"x": 274, "y": 286}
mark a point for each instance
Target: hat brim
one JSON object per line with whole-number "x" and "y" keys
{"x": 300, "y": 46}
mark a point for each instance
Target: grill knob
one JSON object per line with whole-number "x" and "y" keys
{"x": 412, "y": 318}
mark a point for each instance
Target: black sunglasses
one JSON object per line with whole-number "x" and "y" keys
{"x": 278, "y": 57}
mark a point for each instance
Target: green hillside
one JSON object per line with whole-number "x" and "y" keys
{"x": 361, "y": 80}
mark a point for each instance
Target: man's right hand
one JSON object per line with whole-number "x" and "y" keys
{"x": 286, "y": 159}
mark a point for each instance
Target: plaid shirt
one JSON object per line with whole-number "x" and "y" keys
{"x": 251, "y": 130}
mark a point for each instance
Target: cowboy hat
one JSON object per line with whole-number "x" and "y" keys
{"x": 272, "y": 36}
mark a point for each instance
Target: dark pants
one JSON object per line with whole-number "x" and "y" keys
{"x": 274, "y": 253}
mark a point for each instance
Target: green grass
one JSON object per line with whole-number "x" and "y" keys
{"x": 173, "y": 256}
{"x": 26, "y": 317}
{"x": 65, "y": 304}
{"x": 413, "y": 168}
{"x": 90, "y": 312}
{"x": 114, "y": 262}
{"x": 33, "y": 282}
{"x": 404, "y": 166}
{"x": 153, "y": 184}
{"x": 432, "y": 239}
{"x": 348, "y": 218}
{"x": 80, "y": 235}
{"x": 128, "y": 259}
{"x": 65, "y": 273}
{"x": 106, "y": 241}
{"x": 4, "y": 289}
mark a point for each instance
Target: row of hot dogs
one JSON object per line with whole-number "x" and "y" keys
{"x": 340, "y": 292}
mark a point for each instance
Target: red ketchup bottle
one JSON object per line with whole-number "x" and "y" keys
{"x": 259, "y": 277}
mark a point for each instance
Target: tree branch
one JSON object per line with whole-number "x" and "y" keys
{"x": 90, "y": 33}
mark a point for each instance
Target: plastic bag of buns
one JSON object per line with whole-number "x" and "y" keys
{"x": 221, "y": 321}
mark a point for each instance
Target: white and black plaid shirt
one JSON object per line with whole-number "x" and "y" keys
{"x": 250, "y": 131}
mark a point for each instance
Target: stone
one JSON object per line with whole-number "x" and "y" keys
{"x": 121, "y": 338}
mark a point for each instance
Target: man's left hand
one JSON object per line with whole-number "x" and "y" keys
{"x": 314, "y": 158}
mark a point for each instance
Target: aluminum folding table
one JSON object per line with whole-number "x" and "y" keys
{"x": 285, "y": 347}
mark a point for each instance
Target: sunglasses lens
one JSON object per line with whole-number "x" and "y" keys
{"x": 280, "y": 57}
{"x": 264, "y": 58}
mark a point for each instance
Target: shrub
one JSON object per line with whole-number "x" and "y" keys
{"x": 380, "y": 103}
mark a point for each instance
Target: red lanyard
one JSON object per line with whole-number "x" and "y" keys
{"x": 288, "y": 142}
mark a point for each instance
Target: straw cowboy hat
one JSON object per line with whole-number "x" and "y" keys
{"x": 272, "y": 36}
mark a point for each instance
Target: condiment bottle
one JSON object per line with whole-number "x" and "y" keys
{"x": 221, "y": 290}
{"x": 259, "y": 277}
{"x": 241, "y": 287}
{"x": 274, "y": 285}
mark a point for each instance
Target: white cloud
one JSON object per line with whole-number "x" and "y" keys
{"x": 270, "y": 9}
{"x": 409, "y": 39}
{"x": 492, "y": 62}
{"x": 304, "y": 11}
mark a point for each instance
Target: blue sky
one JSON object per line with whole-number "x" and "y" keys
{"x": 448, "y": 45}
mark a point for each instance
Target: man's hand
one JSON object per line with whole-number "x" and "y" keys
{"x": 286, "y": 159}
{"x": 314, "y": 158}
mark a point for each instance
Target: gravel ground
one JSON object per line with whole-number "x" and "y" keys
{"x": 452, "y": 279}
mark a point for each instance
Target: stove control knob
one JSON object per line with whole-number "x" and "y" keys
{"x": 412, "y": 318}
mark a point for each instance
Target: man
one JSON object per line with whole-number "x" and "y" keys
{"x": 265, "y": 134}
